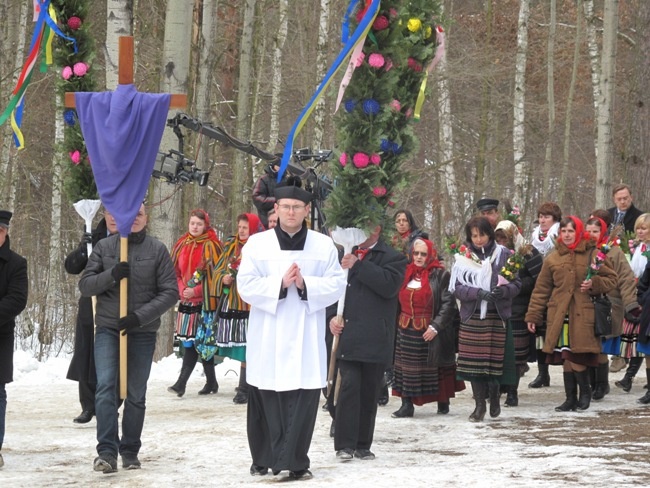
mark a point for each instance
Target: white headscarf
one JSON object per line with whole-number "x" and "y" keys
{"x": 547, "y": 245}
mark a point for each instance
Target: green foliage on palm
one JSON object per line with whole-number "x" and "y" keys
{"x": 78, "y": 180}
{"x": 362, "y": 194}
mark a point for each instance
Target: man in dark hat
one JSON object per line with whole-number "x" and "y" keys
{"x": 489, "y": 208}
{"x": 13, "y": 299}
{"x": 289, "y": 275}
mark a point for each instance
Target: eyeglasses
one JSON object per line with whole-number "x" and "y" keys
{"x": 420, "y": 253}
{"x": 295, "y": 208}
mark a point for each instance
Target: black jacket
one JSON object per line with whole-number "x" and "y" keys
{"x": 263, "y": 194}
{"x": 371, "y": 305}
{"x": 13, "y": 299}
{"x": 445, "y": 319}
{"x": 528, "y": 275}
{"x": 629, "y": 218}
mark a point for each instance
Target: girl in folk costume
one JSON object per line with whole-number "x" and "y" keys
{"x": 194, "y": 256}
{"x": 563, "y": 292}
{"x": 630, "y": 335}
{"x": 543, "y": 239}
{"x": 623, "y": 299}
{"x": 507, "y": 234}
{"x": 485, "y": 345}
{"x": 231, "y": 321}
{"x": 424, "y": 369}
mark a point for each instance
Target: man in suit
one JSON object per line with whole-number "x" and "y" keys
{"x": 367, "y": 333}
{"x": 624, "y": 211}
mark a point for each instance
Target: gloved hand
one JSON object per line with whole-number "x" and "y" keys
{"x": 486, "y": 296}
{"x": 634, "y": 315}
{"x": 128, "y": 324}
{"x": 121, "y": 270}
{"x": 87, "y": 238}
{"x": 498, "y": 293}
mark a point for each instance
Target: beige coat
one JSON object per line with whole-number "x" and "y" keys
{"x": 623, "y": 297}
{"x": 557, "y": 291}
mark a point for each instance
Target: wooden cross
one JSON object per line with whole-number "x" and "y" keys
{"x": 125, "y": 74}
{"x": 125, "y": 77}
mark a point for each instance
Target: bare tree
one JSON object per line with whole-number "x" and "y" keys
{"x": 519, "y": 102}
{"x": 276, "y": 84}
{"x": 550, "y": 98}
{"x": 321, "y": 69}
{"x": 119, "y": 22}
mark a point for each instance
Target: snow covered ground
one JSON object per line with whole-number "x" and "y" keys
{"x": 201, "y": 441}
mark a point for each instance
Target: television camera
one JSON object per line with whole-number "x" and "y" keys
{"x": 174, "y": 167}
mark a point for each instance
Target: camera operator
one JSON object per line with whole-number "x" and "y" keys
{"x": 263, "y": 197}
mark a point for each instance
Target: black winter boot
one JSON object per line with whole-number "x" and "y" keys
{"x": 480, "y": 389}
{"x": 211, "y": 385}
{"x": 543, "y": 378}
{"x": 443, "y": 408}
{"x": 582, "y": 378}
{"x": 406, "y": 410}
{"x": 630, "y": 373}
{"x": 241, "y": 397}
{"x": 512, "y": 396}
{"x": 189, "y": 361}
{"x": 645, "y": 399}
{"x": 602, "y": 381}
{"x": 571, "y": 391}
{"x": 495, "y": 398}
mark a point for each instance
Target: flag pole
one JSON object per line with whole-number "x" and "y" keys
{"x": 124, "y": 257}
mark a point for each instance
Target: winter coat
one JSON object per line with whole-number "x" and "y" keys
{"x": 557, "y": 292}
{"x": 528, "y": 276}
{"x": 371, "y": 306}
{"x": 152, "y": 288}
{"x": 263, "y": 194}
{"x": 13, "y": 299}
{"x": 82, "y": 364}
{"x": 446, "y": 320}
{"x": 623, "y": 297}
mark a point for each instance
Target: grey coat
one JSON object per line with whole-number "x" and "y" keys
{"x": 152, "y": 284}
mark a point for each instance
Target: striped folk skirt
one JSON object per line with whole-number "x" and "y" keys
{"x": 413, "y": 377}
{"x": 630, "y": 340}
{"x": 187, "y": 320}
{"x": 486, "y": 350}
{"x": 522, "y": 341}
{"x": 562, "y": 351}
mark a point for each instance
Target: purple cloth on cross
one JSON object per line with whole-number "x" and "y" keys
{"x": 122, "y": 130}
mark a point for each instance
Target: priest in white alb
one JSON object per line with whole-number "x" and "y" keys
{"x": 289, "y": 275}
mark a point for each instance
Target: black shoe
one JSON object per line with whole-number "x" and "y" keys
{"x": 106, "y": 463}
{"x": 364, "y": 454}
{"x": 645, "y": 399}
{"x": 241, "y": 398}
{"x": 406, "y": 410}
{"x": 512, "y": 398}
{"x": 541, "y": 380}
{"x": 383, "y": 397}
{"x": 208, "y": 389}
{"x": 495, "y": 399}
{"x": 177, "y": 389}
{"x": 443, "y": 408}
{"x": 130, "y": 461}
{"x": 571, "y": 392}
{"x": 303, "y": 474}
{"x": 326, "y": 406}
{"x": 344, "y": 454}
{"x": 258, "y": 470}
{"x": 332, "y": 430}
{"x": 84, "y": 417}
{"x": 625, "y": 383}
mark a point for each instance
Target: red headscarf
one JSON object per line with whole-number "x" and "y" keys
{"x": 580, "y": 232}
{"x": 603, "y": 231}
{"x": 422, "y": 272}
{"x": 187, "y": 253}
{"x": 254, "y": 224}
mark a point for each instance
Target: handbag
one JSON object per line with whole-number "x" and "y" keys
{"x": 602, "y": 315}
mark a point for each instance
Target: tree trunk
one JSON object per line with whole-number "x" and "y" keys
{"x": 165, "y": 213}
{"x": 119, "y": 22}
{"x": 569, "y": 106}
{"x": 550, "y": 99}
{"x": 321, "y": 70}
{"x": 605, "y": 145}
{"x": 519, "y": 104}
{"x": 240, "y": 195}
{"x": 479, "y": 183}
{"x": 276, "y": 85}
{"x": 594, "y": 61}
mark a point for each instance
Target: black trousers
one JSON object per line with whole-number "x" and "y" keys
{"x": 280, "y": 426}
{"x": 87, "y": 395}
{"x": 356, "y": 408}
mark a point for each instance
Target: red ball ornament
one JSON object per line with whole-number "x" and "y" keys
{"x": 74, "y": 23}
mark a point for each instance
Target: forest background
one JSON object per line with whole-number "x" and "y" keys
{"x": 536, "y": 101}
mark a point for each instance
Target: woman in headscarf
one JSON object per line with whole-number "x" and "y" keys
{"x": 564, "y": 292}
{"x": 623, "y": 298}
{"x": 485, "y": 348}
{"x": 232, "y": 315}
{"x": 425, "y": 363}
{"x": 194, "y": 256}
{"x": 406, "y": 231}
{"x": 507, "y": 234}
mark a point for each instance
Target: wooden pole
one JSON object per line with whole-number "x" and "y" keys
{"x": 124, "y": 257}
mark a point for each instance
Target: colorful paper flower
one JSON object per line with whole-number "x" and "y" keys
{"x": 359, "y": 61}
{"x": 376, "y": 60}
{"x": 375, "y": 159}
{"x": 395, "y": 105}
{"x": 393, "y": 13}
{"x": 414, "y": 65}
{"x": 66, "y": 73}
{"x": 74, "y": 23}
{"x": 343, "y": 159}
{"x": 379, "y": 191}
{"x": 360, "y": 160}
{"x": 350, "y": 105}
{"x": 371, "y": 107}
{"x": 414, "y": 24}
{"x": 80, "y": 69}
{"x": 75, "y": 157}
{"x": 69, "y": 117}
{"x": 427, "y": 32}
{"x": 385, "y": 145}
{"x": 380, "y": 23}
